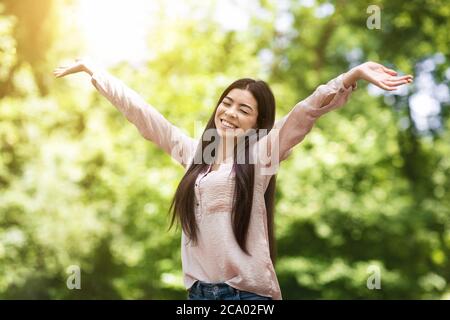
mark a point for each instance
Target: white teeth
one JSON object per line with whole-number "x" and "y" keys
{"x": 227, "y": 124}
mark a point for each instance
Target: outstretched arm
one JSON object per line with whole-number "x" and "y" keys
{"x": 150, "y": 123}
{"x": 292, "y": 129}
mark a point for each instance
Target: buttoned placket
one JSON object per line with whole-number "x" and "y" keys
{"x": 199, "y": 205}
{"x": 197, "y": 189}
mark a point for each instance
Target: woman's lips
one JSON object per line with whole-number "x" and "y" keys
{"x": 227, "y": 124}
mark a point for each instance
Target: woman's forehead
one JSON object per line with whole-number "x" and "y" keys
{"x": 241, "y": 96}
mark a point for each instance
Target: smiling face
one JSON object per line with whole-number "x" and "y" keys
{"x": 236, "y": 113}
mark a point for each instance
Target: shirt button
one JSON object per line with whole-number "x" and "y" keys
{"x": 198, "y": 204}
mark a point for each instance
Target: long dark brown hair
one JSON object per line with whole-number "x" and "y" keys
{"x": 182, "y": 206}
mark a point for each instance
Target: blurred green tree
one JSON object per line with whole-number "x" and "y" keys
{"x": 366, "y": 187}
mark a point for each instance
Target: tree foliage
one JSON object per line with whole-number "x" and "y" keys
{"x": 367, "y": 187}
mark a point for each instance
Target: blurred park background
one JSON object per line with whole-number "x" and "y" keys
{"x": 368, "y": 188}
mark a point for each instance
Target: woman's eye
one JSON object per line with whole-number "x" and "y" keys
{"x": 227, "y": 104}
{"x": 244, "y": 111}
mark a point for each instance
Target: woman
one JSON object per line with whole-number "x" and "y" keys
{"x": 225, "y": 200}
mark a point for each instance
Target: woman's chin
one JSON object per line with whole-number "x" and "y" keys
{"x": 229, "y": 133}
{"x": 225, "y": 133}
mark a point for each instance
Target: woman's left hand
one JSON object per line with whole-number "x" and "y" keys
{"x": 381, "y": 76}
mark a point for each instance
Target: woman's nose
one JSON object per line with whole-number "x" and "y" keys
{"x": 231, "y": 112}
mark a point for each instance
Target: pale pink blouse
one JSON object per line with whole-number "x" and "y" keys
{"x": 217, "y": 256}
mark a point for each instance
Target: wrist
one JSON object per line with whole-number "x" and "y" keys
{"x": 87, "y": 69}
{"x": 351, "y": 76}
{"x": 88, "y": 66}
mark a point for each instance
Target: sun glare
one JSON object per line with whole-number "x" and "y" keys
{"x": 115, "y": 30}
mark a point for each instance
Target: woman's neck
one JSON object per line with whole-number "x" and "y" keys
{"x": 225, "y": 151}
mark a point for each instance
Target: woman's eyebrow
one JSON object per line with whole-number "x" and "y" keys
{"x": 242, "y": 104}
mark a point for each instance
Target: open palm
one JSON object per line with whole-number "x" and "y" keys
{"x": 381, "y": 76}
{"x": 80, "y": 65}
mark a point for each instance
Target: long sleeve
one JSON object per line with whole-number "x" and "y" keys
{"x": 150, "y": 123}
{"x": 292, "y": 128}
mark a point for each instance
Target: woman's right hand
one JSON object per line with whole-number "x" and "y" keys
{"x": 80, "y": 65}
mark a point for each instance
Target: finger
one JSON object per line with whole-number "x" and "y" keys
{"x": 60, "y": 74}
{"x": 396, "y": 82}
{"x": 385, "y": 87}
{"x": 391, "y": 83}
{"x": 389, "y": 71}
{"x": 407, "y": 77}
{"x": 401, "y": 77}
